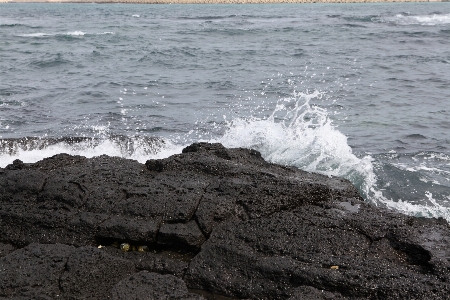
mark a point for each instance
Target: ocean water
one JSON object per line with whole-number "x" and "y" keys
{"x": 360, "y": 91}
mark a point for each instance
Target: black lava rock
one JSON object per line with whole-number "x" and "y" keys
{"x": 212, "y": 223}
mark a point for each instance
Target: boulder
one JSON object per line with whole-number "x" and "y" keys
{"x": 210, "y": 222}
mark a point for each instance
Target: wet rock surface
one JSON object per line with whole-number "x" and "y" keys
{"x": 210, "y": 223}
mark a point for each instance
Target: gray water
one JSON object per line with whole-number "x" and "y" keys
{"x": 353, "y": 90}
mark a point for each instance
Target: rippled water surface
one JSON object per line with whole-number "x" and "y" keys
{"x": 354, "y": 90}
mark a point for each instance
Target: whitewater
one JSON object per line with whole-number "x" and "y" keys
{"x": 353, "y": 90}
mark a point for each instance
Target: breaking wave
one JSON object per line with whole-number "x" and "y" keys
{"x": 299, "y": 132}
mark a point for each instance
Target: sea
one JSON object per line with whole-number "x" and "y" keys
{"x": 360, "y": 91}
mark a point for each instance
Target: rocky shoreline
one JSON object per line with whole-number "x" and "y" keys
{"x": 210, "y": 223}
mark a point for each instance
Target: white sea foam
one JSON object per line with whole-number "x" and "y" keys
{"x": 435, "y": 210}
{"x": 301, "y": 134}
{"x": 432, "y": 167}
{"x": 37, "y": 34}
{"x": 425, "y": 168}
{"x": 435, "y": 156}
{"x": 140, "y": 150}
{"x": 71, "y": 33}
{"x": 429, "y": 20}
{"x": 76, "y": 33}
{"x": 298, "y": 133}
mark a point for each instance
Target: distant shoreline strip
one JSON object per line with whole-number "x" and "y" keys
{"x": 213, "y": 1}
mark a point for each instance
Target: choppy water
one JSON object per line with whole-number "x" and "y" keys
{"x": 353, "y": 90}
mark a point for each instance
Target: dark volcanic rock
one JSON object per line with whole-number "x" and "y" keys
{"x": 79, "y": 201}
{"x": 5, "y": 249}
{"x": 217, "y": 221}
{"x": 145, "y": 285}
{"x": 184, "y": 234}
{"x": 61, "y": 271}
{"x": 92, "y": 273}
{"x": 321, "y": 248}
{"x": 33, "y": 271}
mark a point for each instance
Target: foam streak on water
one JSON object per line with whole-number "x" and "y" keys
{"x": 430, "y": 20}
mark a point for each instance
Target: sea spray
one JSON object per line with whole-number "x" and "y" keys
{"x": 300, "y": 133}
{"x": 140, "y": 148}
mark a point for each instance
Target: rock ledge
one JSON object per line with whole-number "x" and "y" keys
{"x": 212, "y": 223}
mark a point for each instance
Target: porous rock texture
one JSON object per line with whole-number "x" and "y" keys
{"x": 216, "y": 223}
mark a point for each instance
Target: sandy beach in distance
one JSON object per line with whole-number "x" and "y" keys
{"x": 212, "y": 1}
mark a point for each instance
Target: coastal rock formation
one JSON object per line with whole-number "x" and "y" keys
{"x": 210, "y": 223}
